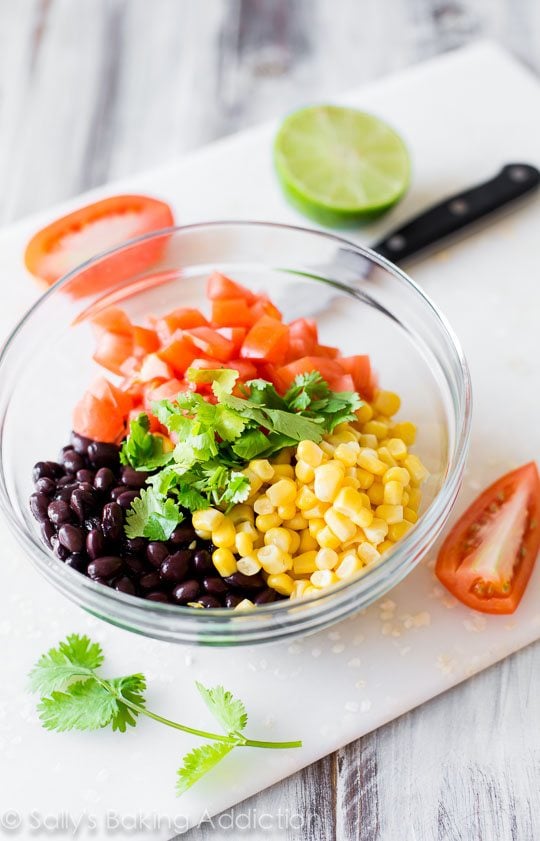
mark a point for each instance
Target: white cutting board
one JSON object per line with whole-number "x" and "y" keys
{"x": 463, "y": 115}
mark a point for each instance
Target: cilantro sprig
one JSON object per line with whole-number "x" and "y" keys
{"x": 75, "y": 696}
{"x": 217, "y": 439}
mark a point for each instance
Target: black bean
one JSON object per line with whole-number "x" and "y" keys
{"x": 136, "y": 544}
{"x": 47, "y": 532}
{"x": 94, "y": 544}
{"x": 209, "y": 601}
{"x": 112, "y": 521}
{"x": 56, "y": 469}
{"x": 202, "y": 562}
{"x": 65, "y": 481}
{"x": 77, "y": 562}
{"x": 232, "y": 599}
{"x": 61, "y": 551}
{"x": 186, "y": 592}
{"x": 85, "y": 475}
{"x": 80, "y": 443}
{"x": 150, "y": 580}
{"x": 102, "y": 581}
{"x": 71, "y": 537}
{"x": 214, "y": 585}
{"x": 246, "y": 582}
{"x": 157, "y": 597}
{"x": 105, "y": 567}
{"x": 125, "y": 585}
{"x": 59, "y": 512}
{"x": 117, "y": 491}
{"x": 182, "y": 534}
{"x": 175, "y": 567}
{"x": 103, "y": 455}
{"x": 266, "y": 596}
{"x": 134, "y": 478}
{"x": 135, "y": 564}
{"x": 39, "y": 504}
{"x": 125, "y": 499}
{"x": 65, "y": 493}
{"x": 46, "y": 486}
{"x": 73, "y": 461}
{"x": 93, "y": 522}
{"x": 41, "y": 470}
{"x": 104, "y": 479}
{"x": 156, "y": 553}
{"x": 83, "y": 502}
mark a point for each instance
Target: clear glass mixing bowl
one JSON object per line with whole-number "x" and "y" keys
{"x": 362, "y": 303}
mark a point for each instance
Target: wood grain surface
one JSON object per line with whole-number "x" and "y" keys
{"x": 91, "y": 90}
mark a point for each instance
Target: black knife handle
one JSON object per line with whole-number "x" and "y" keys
{"x": 457, "y": 212}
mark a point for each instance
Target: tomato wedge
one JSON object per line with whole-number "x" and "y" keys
{"x": 66, "y": 243}
{"x": 487, "y": 559}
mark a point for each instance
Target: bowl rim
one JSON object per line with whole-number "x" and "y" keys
{"x": 409, "y": 546}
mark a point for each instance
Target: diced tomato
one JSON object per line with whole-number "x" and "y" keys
{"x": 112, "y": 351}
{"x": 211, "y": 343}
{"x": 112, "y": 320}
{"x": 183, "y": 318}
{"x": 220, "y": 287}
{"x": 246, "y": 370}
{"x": 359, "y": 367}
{"x": 236, "y": 335}
{"x": 163, "y": 391}
{"x": 267, "y": 341}
{"x": 488, "y": 557}
{"x": 264, "y": 306}
{"x": 343, "y": 383}
{"x": 179, "y": 353}
{"x": 329, "y": 369}
{"x": 303, "y": 339}
{"x": 231, "y": 312}
{"x": 145, "y": 340}
{"x": 102, "y": 412}
{"x": 155, "y": 368}
{"x": 328, "y": 351}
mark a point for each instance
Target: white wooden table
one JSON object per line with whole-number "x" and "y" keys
{"x": 91, "y": 90}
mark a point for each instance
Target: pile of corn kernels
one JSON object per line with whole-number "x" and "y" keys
{"x": 322, "y": 513}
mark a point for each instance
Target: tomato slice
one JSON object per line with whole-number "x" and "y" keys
{"x": 487, "y": 559}
{"x": 66, "y": 243}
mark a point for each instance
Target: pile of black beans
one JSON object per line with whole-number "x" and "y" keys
{"x": 81, "y": 503}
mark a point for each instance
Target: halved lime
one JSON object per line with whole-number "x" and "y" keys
{"x": 340, "y": 166}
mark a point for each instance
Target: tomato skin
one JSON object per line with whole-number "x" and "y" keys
{"x": 143, "y": 215}
{"x": 452, "y": 569}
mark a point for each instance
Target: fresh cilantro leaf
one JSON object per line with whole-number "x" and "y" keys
{"x": 199, "y": 762}
{"x": 295, "y": 426}
{"x": 73, "y": 659}
{"x": 262, "y": 393}
{"x": 87, "y": 705}
{"x": 152, "y": 516}
{"x": 141, "y": 449}
{"x": 236, "y": 490}
{"x": 130, "y": 688}
{"x": 251, "y": 444}
{"x": 190, "y": 498}
{"x": 228, "y": 710}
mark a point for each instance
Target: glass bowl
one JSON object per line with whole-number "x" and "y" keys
{"x": 362, "y": 303}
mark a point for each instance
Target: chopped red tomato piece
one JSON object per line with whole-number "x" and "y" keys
{"x": 183, "y": 318}
{"x": 179, "y": 353}
{"x": 359, "y": 367}
{"x": 232, "y": 312}
{"x": 488, "y": 557}
{"x": 112, "y": 351}
{"x": 211, "y": 343}
{"x": 267, "y": 341}
{"x": 145, "y": 341}
{"x": 102, "y": 411}
{"x": 329, "y": 369}
{"x": 236, "y": 335}
{"x": 155, "y": 368}
{"x": 112, "y": 320}
{"x": 220, "y": 287}
{"x": 263, "y": 306}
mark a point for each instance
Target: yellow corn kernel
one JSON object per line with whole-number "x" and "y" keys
{"x": 393, "y": 493}
{"x": 262, "y": 468}
{"x": 283, "y": 471}
{"x": 342, "y": 435}
{"x": 224, "y": 535}
{"x": 364, "y": 413}
{"x": 243, "y": 543}
{"x": 365, "y": 478}
{"x": 385, "y": 455}
{"x": 305, "y": 499}
{"x": 310, "y": 453}
{"x": 224, "y": 561}
{"x": 310, "y": 592}
{"x": 282, "y": 492}
{"x": 367, "y": 553}
{"x": 203, "y": 534}
{"x": 340, "y": 524}
{"x": 315, "y": 525}
{"x": 327, "y": 448}
{"x": 241, "y": 514}
{"x": 369, "y": 441}
{"x": 390, "y": 513}
{"x": 283, "y": 457}
{"x": 377, "y": 531}
{"x": 323, "y": 578}
{"x": 264, "y": 522}
{"x": 254, "y": 482}
{"x": 387, "y": 403}
{"x": 397, "y": 474}
{"x": 245, "y": 604}
{"x": 397, "y": 448}
{"x": 273, "y": 559}
{"x": 410, "y": 515}
{"x": 415, "y": 498}
{"x": 376, "y": 493}
{"x": 351, "y": 482}
{"x": 376, "y": 428}
{"x": 262, "y": 505}
{"x": 296, "y": 523}
{"x": 304, "y": 472}
{"x": 327, "y": 539}
{"x": 318, "y": 511}
{"x": 305, "y": 564}
{"x": 349, "y": 566}
{"x": 347, "y": 453}
{"x": 416, "y": 469}
{"x": 287, "y": 512}
{"x": 249, "y": 565}
{"x": 385, "y": 546}
{"x": 398, "y": 530}
{"x": 406, "y": 431}
{"x": 328, "y": 479}
{"x": 295, "y": 541}
{"x": 278, "y": 537}
{"x": 307, "y": 541}
{"x": 299, "y": 588}
{"x": 207, "y": 519}
{"x": 247, "y": 528}
{"x": 368, "y": 460}
{"x": 326, "y": 559}
{"x": 281, "y": 583}
{"x": 405, "y": 499}
{"x": 350, "y": 503}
